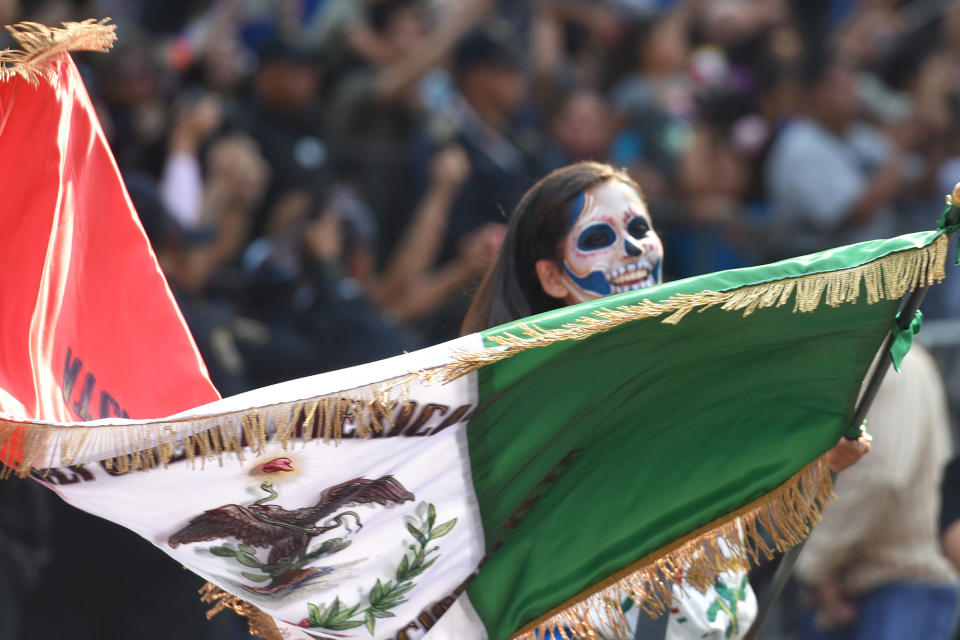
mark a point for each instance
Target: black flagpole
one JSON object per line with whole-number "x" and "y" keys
{"x": 907, "y": 312}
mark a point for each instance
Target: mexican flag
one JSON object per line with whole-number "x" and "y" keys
{"x": 526, "y": 476}
{"x": 551, "y": 474}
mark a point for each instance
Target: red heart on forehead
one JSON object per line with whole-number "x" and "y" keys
{"x": 276, "y": 465}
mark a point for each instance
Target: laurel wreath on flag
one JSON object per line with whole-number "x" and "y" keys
{"x": 384, "y": 596}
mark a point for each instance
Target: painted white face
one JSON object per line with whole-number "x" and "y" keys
{"x": 611, "y": 246}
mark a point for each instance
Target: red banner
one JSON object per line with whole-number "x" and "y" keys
{"x": 88, "y": 327}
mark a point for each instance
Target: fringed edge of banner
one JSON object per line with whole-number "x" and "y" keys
{"x": 787, "y": 514}
{"x": 258, "y": 623}
{"x": 25, "y": 447}
{"x": 133, "y": 447}
{"x": 889, "y": 277}
{"x": 40, "y": 44}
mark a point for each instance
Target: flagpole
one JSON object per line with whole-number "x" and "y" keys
{"x": 789, "y": 560}
{"x": 909, "y": 309}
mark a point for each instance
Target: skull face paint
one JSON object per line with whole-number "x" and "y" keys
{"x": 610, "y": 246}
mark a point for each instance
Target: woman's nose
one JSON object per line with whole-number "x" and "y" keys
{"x": 631, "y": 247}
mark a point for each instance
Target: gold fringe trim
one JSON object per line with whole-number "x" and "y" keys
{"x": 41, "y": 44}
{"x": 886, "y": 278}
{"x": 369, "y": 411}
{"x": 787, "y": 513}
{"x": 258, "y": 623}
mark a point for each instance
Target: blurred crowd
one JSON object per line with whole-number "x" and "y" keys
{"x": 325, "y": 181}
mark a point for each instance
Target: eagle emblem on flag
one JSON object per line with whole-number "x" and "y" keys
{"x": 287, "y": 533}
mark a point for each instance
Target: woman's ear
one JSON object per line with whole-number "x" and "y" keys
{"x": 551, "y": 279}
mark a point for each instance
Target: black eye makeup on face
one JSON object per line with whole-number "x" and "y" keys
{"x": 597, "y": 236}
{"x": 638, "y": 227}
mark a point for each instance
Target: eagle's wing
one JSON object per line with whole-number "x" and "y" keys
{"x": 383, "y": 490}
{"x": 228, "y": 521}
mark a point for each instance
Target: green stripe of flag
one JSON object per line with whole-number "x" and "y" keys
{"x": 599, "y": 452}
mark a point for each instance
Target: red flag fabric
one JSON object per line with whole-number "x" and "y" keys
{"x": 88, "y": 326}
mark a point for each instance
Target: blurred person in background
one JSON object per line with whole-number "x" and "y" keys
{"x": 712, "y": 231}
{"x": 209, "y": 55}
{"x": 873, "y": 567}
{"x": 310, "y": 285}
{"x": 184, "y": 256}
{"x": 236, "y": 183}
{"x": 730, "y": 24}
{"x": 831, "y": 178}
{"x": 411, "y": 286}
{"x": 130, "y": 87}
{"x": 377, "y": 112}
{"x": 647, "y": 71}
{"x": 488, "y": 70}
{"x": 484, "y": 119}
{"x": 343, "y": 32}
{"x": 652, "y": 92}
{"x": 195, "y": 119}
{"x": 570, "y": 40}
{"x": 869, "y": 33}
{"x": 581, "y": 128}
{"x": 315, "y": 284}
{"x": 285, "y": 118}
{"x": 220, "y": 197}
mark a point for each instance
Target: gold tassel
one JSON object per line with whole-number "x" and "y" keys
{"x": 41, "y": 44}
{"x": 886, "y": 278}
{"x": 258, "y": 623}
{"x": 134, "y": 447}
{"x": 787, "y": 513}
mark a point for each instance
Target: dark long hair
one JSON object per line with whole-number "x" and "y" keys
{"x": 511, "y": 289}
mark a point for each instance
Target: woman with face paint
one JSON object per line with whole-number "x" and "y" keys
{"x": 581, "y": 233}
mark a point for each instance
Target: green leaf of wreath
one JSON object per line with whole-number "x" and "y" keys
{"x": 427, "y": 564}
{"x": 390, "y": 604}
{"x": 383, "y": 596}
{"x": 443, "y": 529}
{"x": 416, "y": 534}
{"x": 256, "y": 577}
{"x": 402, "y": 569}
{"x": 247, "y": 560}
{"x": 401, "y": 589}
{"x": 371, "y": 621}
{"x": 334, "y": 608}
{"x": 342, "y": 626}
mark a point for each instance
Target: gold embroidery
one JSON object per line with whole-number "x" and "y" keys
{"x": 258, "y": 623}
